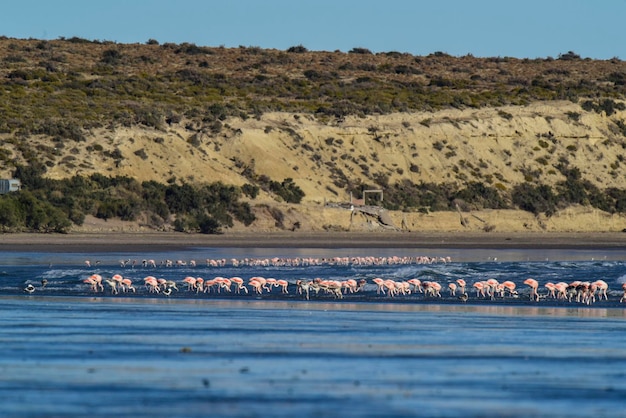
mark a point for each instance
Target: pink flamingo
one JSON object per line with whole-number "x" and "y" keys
{"x": 461, "y": 284}
{"x": 263, "y": 282}
{"x": 199, "y": 285}
{"x": 561, "y": 290}
{"x": 283, "y": 284}
{"x": 349, "y": 285}
{"x": 128, "y": 285}
{"x": 380, "y": 283}
{"x": 191, "y": 282}
{"x": 391, "y": 287}
{"x": 480, "y": 288}
{"x": 534, "y": 285}
{"x": 452, "y": 288}
{"x": 509, "y": 286}
{"x": 151, "y": 284}
{"x": 222, "y": 283}
{"x": 257, "y": 285}
{"x": 95, "y": 280}
{"x": 333, "y": 287}
{"x": 492, "y": 287}
{"x": 551, "y": 289}
{"x": 602, "y": 288}
{"x": 432, "y": 288}
{"x": 271, "y": 282}
{"x": 417, "y": 285}
{"x": 238, "y": 281}
{"x": 98, "y": 279}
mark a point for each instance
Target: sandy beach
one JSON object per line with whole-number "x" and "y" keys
{"x": 79, "y": 242}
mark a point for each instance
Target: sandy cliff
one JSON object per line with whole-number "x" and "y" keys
{"x": 500, "y": 147}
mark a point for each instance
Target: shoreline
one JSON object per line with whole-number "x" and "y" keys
{"x": 113, "y": 241}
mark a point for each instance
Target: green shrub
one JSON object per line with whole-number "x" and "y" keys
{"x": 111, "y": 57}
{"x": 288, "y": 190}
{"x": 297, "y": 49}
{"x": 534, "y": 198}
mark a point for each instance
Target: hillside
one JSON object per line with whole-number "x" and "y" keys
{"x": 333, "y": 122}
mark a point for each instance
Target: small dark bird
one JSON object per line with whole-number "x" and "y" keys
{"x": 29, "y": 289}
{"x": 463, "y": 297}
{"x": 44, "y": 282}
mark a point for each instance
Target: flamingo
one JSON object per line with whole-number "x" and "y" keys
{"x": 118, "y": 280}
{"x": 349, "y": 285}
{"x": 282, "y": 284}
{"x": 271, "y": 282}
{"x": 303, "y": 288}
{"x": 263, "y": 282}
{"x": 391, "y": 287}
{"x": 199, "y": 285}
{"x": 128, "y": 285}
{"x": 223, "y": 283}
{"x": 602, "y": 288}
{"x": 534, "y": 285}
{"x": 492, "y": 287}
{"x": 561, "y": 290}
{"x": 380, "y": 283}
{"x": 256, "y": 284}
{"x": 551, "y": 289}
{"x": 334, "y": 287}
{"x": 480, "y": 288}
{"x": 95, "y": 280}
{"x": 191, "y": 282}
{"x": 238, "y": 281}
{"x": 509, "y": 286}
{"x": 152, "y": 284}
{"x": 432, "y": 289}
{"x": 452, "y": 288}
{"x": 404, "y": 288}
{"x": 461, "y": 284}
{"x": 417, "y": 285}
{"x": 113, "y": 285}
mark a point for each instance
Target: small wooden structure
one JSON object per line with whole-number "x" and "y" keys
{"x": 363, "y": 201}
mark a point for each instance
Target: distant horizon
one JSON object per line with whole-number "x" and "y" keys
{"x": 106, "y": 41}
{"x": 481, "y": 28}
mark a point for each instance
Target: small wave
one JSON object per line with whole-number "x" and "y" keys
{"x": 621, "y": 279}
{"x": 60, "y": 273}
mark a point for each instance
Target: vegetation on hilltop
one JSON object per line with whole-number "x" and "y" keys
{"x": 66, "y": 89}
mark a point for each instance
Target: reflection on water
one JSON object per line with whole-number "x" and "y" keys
{"x": 97, "y": 357}
{"x": 279, "y": 305}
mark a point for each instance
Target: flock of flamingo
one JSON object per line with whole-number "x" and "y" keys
{"x": 491, "y": 289}
{"x": 285, "y": 261}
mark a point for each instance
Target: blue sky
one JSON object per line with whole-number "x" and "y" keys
{"x": 483, "y": 28}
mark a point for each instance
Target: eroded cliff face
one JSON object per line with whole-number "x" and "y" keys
{"x": 499, "y": 147}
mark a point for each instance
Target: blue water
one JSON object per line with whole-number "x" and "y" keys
{"x": 70, "y": 352}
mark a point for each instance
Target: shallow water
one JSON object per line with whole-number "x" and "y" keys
{"x": 67, "y": 352}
